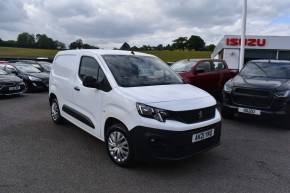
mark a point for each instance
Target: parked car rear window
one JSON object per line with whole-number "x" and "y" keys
{"x": 135, "y": 71}
{"x": 267, "y": 69}
{"x": 183, "y": 66}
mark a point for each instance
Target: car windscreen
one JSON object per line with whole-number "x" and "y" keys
{"x": 267, "y": 69}
{"x": 46, "y": 66}
{"x": 27, "y": 68}
{"x": 135, "y": 71}
{"x": 2, "y": 72}
{"x": 183, "y": 66}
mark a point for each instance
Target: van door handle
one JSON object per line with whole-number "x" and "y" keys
{"x": 77, "y": 88}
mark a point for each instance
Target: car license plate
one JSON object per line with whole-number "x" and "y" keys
{"x": 14, "y": 88}
{"x": 202, "y": 136}
{"x": 249, "y": 111}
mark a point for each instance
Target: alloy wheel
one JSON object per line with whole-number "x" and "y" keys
{"x": 118, "y": 146}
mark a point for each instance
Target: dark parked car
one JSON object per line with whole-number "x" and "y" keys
{"x": 43, "y": 66}
{"x": 261, "y": 88}
{"x": 33, "y": 78}
{"x": 10, "y": 84}
{"x": 207, "y": 74}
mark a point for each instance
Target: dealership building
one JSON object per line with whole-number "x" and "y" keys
{"x": 257, "y": 47}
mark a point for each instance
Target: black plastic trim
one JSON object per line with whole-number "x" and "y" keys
{"x": 79, "y": 116}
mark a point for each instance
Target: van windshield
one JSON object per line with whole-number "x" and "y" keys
{"x": 136, "y": 71}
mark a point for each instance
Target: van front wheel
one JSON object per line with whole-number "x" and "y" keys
{"x": 118, "y": 145}
{"x": 55, "y": 112}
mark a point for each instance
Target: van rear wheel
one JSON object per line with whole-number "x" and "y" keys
{"x": 55, "y": 112}
{"x": 119, "y": 146}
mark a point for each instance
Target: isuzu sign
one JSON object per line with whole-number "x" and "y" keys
{"x": 252, "y": 42}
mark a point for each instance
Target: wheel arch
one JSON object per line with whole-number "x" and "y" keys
{"x": 110, "y": 121}
{"x": 51, "y": 97}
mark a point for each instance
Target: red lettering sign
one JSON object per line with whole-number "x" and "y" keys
{"x": 252, "y": 42}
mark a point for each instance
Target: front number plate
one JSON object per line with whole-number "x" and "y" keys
{"x": 249, "y": 111}
{"x": 14, "y": 88}
{"x": 202, "y": 136}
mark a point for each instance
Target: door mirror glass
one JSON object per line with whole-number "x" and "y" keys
{"x": 91, "y": 82}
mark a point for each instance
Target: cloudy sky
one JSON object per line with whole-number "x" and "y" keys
{"x": 108, "y": 23}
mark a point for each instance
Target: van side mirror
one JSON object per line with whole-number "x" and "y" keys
{"x": 91, "y": 82}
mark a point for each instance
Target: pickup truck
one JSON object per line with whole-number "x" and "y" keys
{"x": 207, "y": 74}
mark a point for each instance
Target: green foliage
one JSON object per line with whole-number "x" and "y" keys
{"x": 78, "y": 44}
{"x": 26, "y": 40}
{"x": 195, "y": 43}
{"x": 125, "y": 46}
{"x": 210, "y": 47}
{"x": 175, "y": 55}
{"x": 166, "y": 55}
{"x": 26, "y": 52}
{"x": 180, "y": 43}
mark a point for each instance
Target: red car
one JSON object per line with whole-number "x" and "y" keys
{"x": 207, "y": 74}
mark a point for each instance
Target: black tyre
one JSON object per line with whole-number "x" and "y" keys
{"x": 26, "y": 87}
{"x": 55, "y": 112}
{"x": 227, "y": 113}
{"x": 119, "y": 146}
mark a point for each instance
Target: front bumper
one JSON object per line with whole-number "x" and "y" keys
{"x": 279, "y": 107}
{"x": 150, "y": 143}
{"x": 38, "y": 85}
{"x": 5, "y": 91}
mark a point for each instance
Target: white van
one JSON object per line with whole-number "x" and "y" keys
{"x": 134, "y": 103}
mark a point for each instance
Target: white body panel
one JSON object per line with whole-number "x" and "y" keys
{"x": 232, "y": 57}
{"x": 120, "y": 102}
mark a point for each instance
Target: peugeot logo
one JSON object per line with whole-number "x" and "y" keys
{"x": 200, "y": 115}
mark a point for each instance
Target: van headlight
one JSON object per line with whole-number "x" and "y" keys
{"x": 152, "y": 112}
{"x": 284, "y": 93}
{"x": 228, "y": 87}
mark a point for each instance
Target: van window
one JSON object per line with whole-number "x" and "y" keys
{"x": 88, "y": 67}
{"x": 135, "y": 71}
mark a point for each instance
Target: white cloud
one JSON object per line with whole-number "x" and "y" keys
{"x": 109, "y": 23}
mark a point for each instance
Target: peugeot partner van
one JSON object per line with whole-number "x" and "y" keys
{"x": 133, "y": 102}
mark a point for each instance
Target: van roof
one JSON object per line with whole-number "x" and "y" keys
{"x": 103, "y": 52}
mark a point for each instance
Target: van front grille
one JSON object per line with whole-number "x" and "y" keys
{"x": 193, "y": 116}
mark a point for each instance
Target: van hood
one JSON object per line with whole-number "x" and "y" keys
{"x": 177, "y": 97}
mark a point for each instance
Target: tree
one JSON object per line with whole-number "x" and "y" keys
{"x": 26, "y": 40}
{"x": 59, "y": 45}
{"x": 159, "y": 47}
{"x": 88, "y": 46}
{"x": 78, "y": 44}
{"x": 135, "y": 48}
{"x": 180, "y": 43}
{"x": 43, "y": 41}
{"x": 125, "y": 46}
{"x": 210, "y": 47}
{"x": 196, "y": 43}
